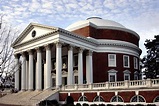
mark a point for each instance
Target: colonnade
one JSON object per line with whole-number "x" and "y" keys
{"x": 27, "y": 84}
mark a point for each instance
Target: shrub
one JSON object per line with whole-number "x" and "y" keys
{"x": 78, "y": 104}
{"x": 85, "y": 104}
{"x": 101, "y": 105}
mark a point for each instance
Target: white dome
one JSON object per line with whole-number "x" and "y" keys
{"x": 96, "y": 21}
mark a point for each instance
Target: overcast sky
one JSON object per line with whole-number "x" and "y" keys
{"x": 142, "y": 16}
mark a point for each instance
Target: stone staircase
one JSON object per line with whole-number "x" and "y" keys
{"x": 27, "y": 98}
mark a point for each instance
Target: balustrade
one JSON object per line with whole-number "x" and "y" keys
{"x": 115, "y": 85}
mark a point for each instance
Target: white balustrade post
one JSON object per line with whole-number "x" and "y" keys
{"x": 58, "y": 65}
{"x": 89, "y": 68}
{"x": 47, "y": 76}
{"x": 126, "y": 82}
{"x": 80, "y": 66}
{"x": 70, "y": 66}
{"x": 23, "y": 73}
{"x": 30, "y": 87}
{"x": 39, "y": 70}
{"x": 148, "y": 82}
{"x": 16, "y": 72}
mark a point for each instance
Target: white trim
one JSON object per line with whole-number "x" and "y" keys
{"x": 112, "y": 72}
{"x": 127, "y": 73}
{"x": 117, "y": 96}
{"x": 155, "y": 99}
{"x": 138, "y": 99}
{"x": 92, "y": 44}
{"x": 111, "y": 60}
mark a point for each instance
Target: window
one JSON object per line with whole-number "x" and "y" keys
{"x": 112, "y": 78}
{"x": 83, "y": 99}
{"x": 98, "y": 99}
{"x": 112, "y": 60}
{"x": 117, "y": 98}
{"x": 136, "y": 74}
{"x": 126, "y": 61}
{"x": 156, "y": 99}
{"x": 112, "y": 75}
{"x": 135, "y": 63}
{"x": 126, "y": 75}
{"x": 137, "y": 98}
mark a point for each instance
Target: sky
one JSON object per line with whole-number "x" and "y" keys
{"x": 141, "y": 16}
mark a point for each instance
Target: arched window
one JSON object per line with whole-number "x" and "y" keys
{"x": 156, "y": 99}
{"x": 98, "y": 99}
{"x": 137, "y": 98}
{"x": 116, "y": 98}
{"x": 83, "y": 99}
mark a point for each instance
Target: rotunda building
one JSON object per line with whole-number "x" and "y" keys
{"x": 116, "y": 57}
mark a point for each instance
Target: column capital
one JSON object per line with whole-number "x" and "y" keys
{"x": 80, "y": 50}
{"x": 70, "y": 47}
{"x": 23, "y": 54}
{"x": 89, "y": 52}
{"x": 30, "y": 52}
{"x": 58, "y": 44}
{"x": 47, "y": 46}
{"x": 38, "y": 49}
{"x": 16, "y": 56}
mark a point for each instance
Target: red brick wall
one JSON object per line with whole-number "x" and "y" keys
{"x": 149, "y": 95}
{"x": 107, "y": 34}
{"x": 76, "y": 96}
{"x": 62, "y": 96}
{"x": 100, "y": 67}
{"x": 107, "y": 95}
{"x": 127, "y": 95}
{"x": 90, "y": 96}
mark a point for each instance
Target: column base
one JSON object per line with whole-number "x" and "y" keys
{"x": 30, "y": 89}
{"x": 58, "y": 86}
{"x": 38, "y": 90}
{"x": 23, "y": 90}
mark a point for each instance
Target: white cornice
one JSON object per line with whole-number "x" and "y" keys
{"x": 96, "y": 45}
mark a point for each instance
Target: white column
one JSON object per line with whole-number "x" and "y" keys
{"x": 58, "y": 65}
{"x": 23, "y": 73}
{"x": 80, "y": 66}
{"x": 30, "y": 86}
{"x": 89, "y": 68}
{"x": 39, "y": 70}
{"x": 16, "y": 72}
{"x": 47, "y": 74}
{"x": 27, "y": 74}
{"x": 70, "y": 66}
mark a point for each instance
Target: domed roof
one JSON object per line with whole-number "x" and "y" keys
{"x": 99, "y": 23}
{"x": 96, "y": 21}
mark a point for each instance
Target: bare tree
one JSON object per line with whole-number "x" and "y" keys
{"x": 7, "y": 36}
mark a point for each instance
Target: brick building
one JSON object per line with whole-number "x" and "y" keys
{"x": 94, "y": 61}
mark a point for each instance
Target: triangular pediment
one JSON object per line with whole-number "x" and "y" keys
{"x": 33, "y": 31}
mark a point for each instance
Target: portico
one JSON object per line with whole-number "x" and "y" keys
{"x": 41, "y": 58}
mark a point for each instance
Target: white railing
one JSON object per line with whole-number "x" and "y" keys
{"x": 147, "y": 83}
